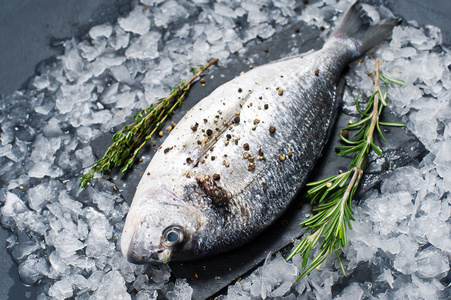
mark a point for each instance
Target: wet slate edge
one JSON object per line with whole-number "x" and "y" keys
{"x": 209, "y": 276}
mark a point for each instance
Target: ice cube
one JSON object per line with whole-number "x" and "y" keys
{"x": 145, "y": 48}
{"x": 151, "y": 2}
{"x": 33, "y": 269}
{"x": 170, "y": 11}
{"x": 104, "y": 201}
{"x": 282, "y": 289}
{"x": 85, "y": 156}
{"x": 405, "y": 261}
{"x": 52, "y": 128}
{"x": 23, "y": 249}
{"x": 93, "y": 50}
{"x": 58, "y": 266}
{"x": 7, "y": 151}
{"x": 432, "y": 263}
{"x": 13, "y": 205}
{"x": 141, "y": 282}
{"x": 66, "y": 243}
{"x": 161, "y": 273}
{"x": 147, "y": 295}
{"x": 352, "y": 291}
{"x": 387, "y": 277}
{"x": 73, "y": 63}
{"x": 136, "y": 22}
{"x": 112, "y": 286}
{"x": 61, "y": 289}
{"x": 85, "y": 133}
{"x": 41, "y": 82}
{"x": 120, "y": 39}
{"x": 41, "y": 169}
{"x": 181, "y": 291}
{"x": 103, "y": 30}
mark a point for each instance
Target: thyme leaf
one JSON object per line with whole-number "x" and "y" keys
{"x": 128, "y": 141}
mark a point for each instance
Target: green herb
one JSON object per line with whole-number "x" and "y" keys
{"x": 334, "y": 194}
{"x": 128, "y": 141}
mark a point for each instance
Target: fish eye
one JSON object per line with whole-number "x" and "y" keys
{"x": 172, "y": 235}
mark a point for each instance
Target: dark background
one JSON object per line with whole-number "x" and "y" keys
{"x": 30, "y": 32}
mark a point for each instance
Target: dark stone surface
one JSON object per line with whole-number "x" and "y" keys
{"x": 27, "y": 30}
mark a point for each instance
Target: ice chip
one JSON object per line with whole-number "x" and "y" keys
{"x": 58, "y": 266}
{"x": 182, "y": 290}
{"x": 24, "y": 249}
{"x": 61, "y": 289}
{"x": 33, "y": 269}
{"x": 387, "y": 277}
{"x": 282, "y": 289}
{"x": 85, "y": 156}
{"x": 13, "y": 205}
{"x": 161, "y": 273}
{"x": 92, "y": 51}
{"x": 141, "y": 282}
{"x": 120, "y": 39}
{"x": 443, "y": 157}
{"x": 145, "y": 48}
{"x": 170, "y": 11}
{"x": 52, "y": 129}
{"x": 265, "y": 31}
{"x": 151, "y": 2}
{"x": 66, "y": 243}
{"x": 103, "y": 30}
{"x": 85, "y": 133}
{"x": 112, "y": 286}
{"x": 136, "y": 22}
{"x": 73, "y": 63}
{"x": 147, "y": 295}
{"x": 432, "y": 263}
{"x": 352, "y": 291}
{"x": 104, "y": 201}
{"x": 41, "y": 169}
{"x": 7, "y": 151}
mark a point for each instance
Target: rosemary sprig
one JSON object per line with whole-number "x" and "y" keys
{"x": 128, "y": 141}
{"x": 334, "y": 194}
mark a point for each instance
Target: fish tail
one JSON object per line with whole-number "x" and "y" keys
{"x": 358, "y": 26}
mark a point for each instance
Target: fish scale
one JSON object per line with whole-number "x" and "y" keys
{"x": 265, "y": 130}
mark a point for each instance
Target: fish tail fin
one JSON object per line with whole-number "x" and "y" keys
{"x": 358, "y": 26}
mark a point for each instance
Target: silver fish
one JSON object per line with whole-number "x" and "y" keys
{"x": 236, "y": 160}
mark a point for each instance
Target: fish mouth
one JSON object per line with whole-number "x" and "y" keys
{"x": 154, "y": 255}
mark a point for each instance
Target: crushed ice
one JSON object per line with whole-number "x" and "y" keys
{"x": 67, "y": 239}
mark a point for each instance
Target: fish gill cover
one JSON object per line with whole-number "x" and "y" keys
{"x": 67, "y": 239}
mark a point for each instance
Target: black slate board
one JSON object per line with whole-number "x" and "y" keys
{"x": 208, "y": 276}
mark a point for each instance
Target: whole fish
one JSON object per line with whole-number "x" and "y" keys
{"x": 236, "y": 160}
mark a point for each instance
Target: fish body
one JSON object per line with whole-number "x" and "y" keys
{"x": 236, "y": 160}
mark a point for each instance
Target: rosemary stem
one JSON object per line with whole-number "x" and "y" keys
{"x": 375, "y": 113}
{"x": 334, "y": 194}
{"x": 374, "y": 118}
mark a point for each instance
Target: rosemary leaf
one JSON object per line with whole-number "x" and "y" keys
{"x": 333, "y": 215}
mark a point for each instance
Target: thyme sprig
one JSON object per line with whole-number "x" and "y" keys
{"x": 334, "y": 194}
{"x": 128, "y": 142}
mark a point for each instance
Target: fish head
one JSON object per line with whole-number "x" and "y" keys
{"x": 161, "y": 227}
